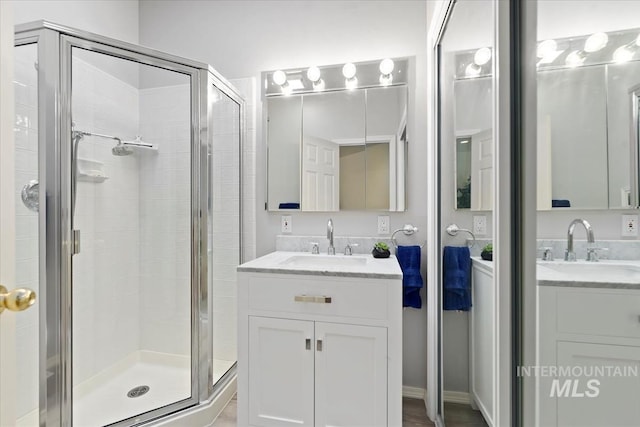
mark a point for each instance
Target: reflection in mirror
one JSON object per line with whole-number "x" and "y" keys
{"x": 463, "y": 172}
{"x": 386, "y": 148}
{"x": 284, "y": 126}
{"x": 333, "y": 151}
{"x": 465, "y": 143}
{"x": 340, "y": 149}
{"x": 474, "y": 158}
{"x": 586, "y": 122}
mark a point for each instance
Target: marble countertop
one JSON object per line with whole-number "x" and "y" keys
{"x": 365, "y": 266}
{"x": 480, "y": 263}
{"x": 612, "y": 274}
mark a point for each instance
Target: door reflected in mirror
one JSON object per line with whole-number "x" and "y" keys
{"x": 338, "y": 150}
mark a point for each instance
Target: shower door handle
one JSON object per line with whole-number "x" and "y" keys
{"x": 18, "y": 299}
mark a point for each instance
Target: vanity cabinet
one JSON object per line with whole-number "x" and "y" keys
{"x": 482, "y": 320}
{"x": 318, "y": 350}
{"x": 588, "y": 330}
{"x": 309, "y": 373}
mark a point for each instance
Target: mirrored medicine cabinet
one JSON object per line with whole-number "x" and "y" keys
{"x": 337, "y": 137}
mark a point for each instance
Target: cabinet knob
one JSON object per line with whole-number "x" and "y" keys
{"x": 308, "y": 343}
{"x": 319, "y": 345}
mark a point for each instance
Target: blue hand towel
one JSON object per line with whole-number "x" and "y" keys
{"x": 457, "y": 278}
{"x": 409, "y": 260}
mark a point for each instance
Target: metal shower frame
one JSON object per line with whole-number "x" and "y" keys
{"x": 54, "y": 45}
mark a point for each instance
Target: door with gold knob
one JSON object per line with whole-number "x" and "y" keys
{"x": 19, "y": 265}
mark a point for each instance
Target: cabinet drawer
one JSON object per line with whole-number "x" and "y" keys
{"x": 598, "y": 312}
{"x": 333, "y": 297}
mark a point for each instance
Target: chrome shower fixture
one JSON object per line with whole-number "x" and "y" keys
{"x": 123, "y": 148}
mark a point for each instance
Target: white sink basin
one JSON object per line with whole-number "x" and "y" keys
{"x": 321, "y": 261}
{"x": 595, "y": 271}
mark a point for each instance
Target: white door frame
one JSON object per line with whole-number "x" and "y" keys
{"x": 8, "y": 385}
{"x": 502, "y": 218}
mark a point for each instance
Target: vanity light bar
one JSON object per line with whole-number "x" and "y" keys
{"x": 352, "y": 75}
{"x": 569, "y": 52}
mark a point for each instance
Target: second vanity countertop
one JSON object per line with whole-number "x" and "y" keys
{"x": 359, "y": 265}
{"x": 612, "y": 274}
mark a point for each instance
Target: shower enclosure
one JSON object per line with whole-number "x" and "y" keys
{"x": 128, "y": 227}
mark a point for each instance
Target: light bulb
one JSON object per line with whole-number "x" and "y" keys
{"x": 595, "y": 42}
{"x": 574, "y": 59}
{"x": 482, "y": 56}
{"x": 386, "y": 79}
{"x": 386, "y": 66}
{"x": 349, "y": 70}
{"x": 279, "y": 77}
{"x": 622, "y": 54}
{"x": 351, "y": 83}
{"x": 472, "y": 70}
{"x": 546, "y": 48}
{"x": 313, "y": 73}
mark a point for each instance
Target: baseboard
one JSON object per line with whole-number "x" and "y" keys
{"x": 457, "y": 397}
{"x": 414, "y": 392}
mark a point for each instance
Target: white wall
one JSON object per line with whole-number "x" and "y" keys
{"x": 241, "y": 39}
{"x": 116, "y": 19}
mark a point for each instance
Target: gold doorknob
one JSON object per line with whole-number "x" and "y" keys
{"x": 17, "y": 300}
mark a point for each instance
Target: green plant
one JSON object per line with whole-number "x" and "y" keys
{"x": 382, "y": 246}
{"x": 488, "y": 248}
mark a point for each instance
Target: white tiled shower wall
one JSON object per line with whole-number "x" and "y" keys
{"x": 165, "y": 209}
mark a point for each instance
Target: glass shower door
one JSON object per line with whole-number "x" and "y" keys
{"x": 224, "y": 228}
{"x": 131, "y": 203}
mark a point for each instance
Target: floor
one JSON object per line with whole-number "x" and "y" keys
{"x": 414, "y": 414}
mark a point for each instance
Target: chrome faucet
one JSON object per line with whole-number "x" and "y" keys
{"x": 332, "y": 249}
{"x": 569, "y": 254}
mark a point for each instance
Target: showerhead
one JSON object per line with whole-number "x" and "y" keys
{"x": 121, "y": 150}
{"x": 124, "y": 148}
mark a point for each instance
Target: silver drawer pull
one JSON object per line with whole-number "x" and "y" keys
{"x": 312, "y": 298}
{"x": 308, "y": 343}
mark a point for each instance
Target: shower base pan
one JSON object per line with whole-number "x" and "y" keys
{"x": 153, "y": 379}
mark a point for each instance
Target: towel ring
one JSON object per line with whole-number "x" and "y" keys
{"x": 453, "y": 229}
{"x": 408, "y": 230}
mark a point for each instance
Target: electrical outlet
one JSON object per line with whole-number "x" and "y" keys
{"x": 286, "y": 224}
{"x": 629, "y": 225}
{"x": 383, "y": 224}
{"x": 480, "y": 225}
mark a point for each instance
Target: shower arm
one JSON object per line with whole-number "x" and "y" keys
{"x": 137, "y": 142}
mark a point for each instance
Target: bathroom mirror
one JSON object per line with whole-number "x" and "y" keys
{"x": 587, "y": 124}
{"x": 342, "y": 149}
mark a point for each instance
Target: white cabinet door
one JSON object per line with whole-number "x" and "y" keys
{"x": 280, "y": 372}
{"x": 614, "y": 401}
{"x": 483, "y": 342}
{"x": 351, "y": 375}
